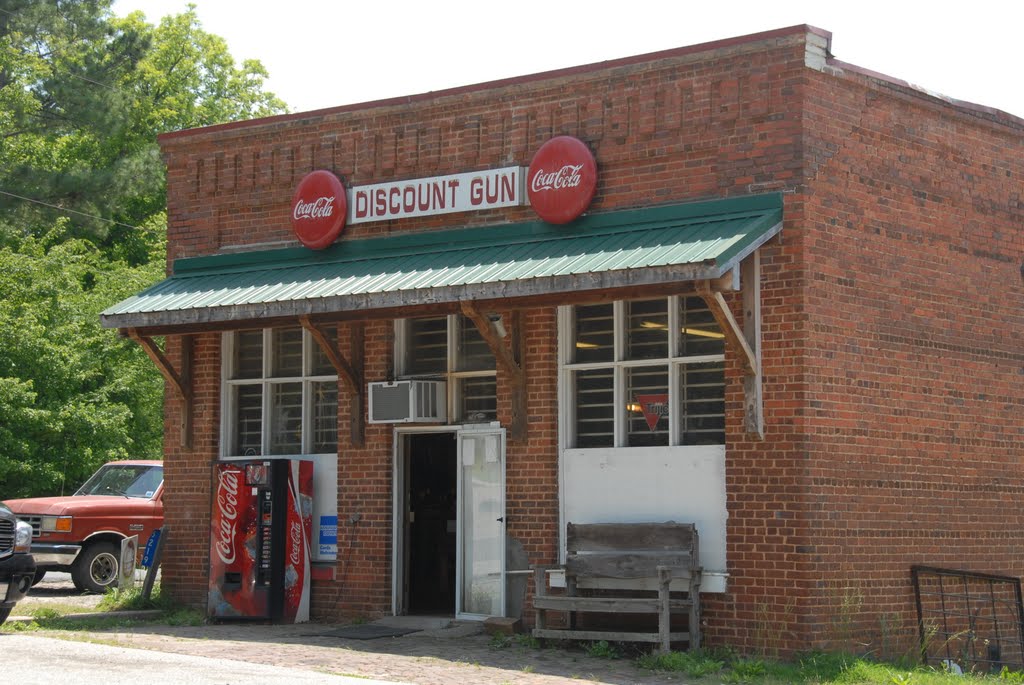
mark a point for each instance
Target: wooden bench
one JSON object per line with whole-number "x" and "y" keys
{"x": 649, "y": 554}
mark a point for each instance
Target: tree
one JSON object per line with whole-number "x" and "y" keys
{"x": 72, "y": 394}
{"x": 83, "y": 95}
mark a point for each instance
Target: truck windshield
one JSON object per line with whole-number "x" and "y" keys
{"x": 129, "y": 480}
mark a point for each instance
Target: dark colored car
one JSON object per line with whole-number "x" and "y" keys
{"x": 17, "y": 568}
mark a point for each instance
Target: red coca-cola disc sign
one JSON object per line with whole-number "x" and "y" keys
{"x": 319, "y": 209}
{"x": 561, "y": 180}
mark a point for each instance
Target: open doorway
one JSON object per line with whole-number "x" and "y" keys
{"x": 431, "y": 489}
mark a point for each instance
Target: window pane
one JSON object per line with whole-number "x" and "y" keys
{"x": 595, "y": 334}
{"x": 248, "y": 401}
{"x": 427, "y": 346}
{"x": 702, "y": 403}
{"x": 647, "y": 329}
{"x": 473, "y": 353}
{"x": 248, "y": 354}
{"x": 647, "y": 415}
{"x": 286, "y": 418}
{"x": 700, "y": 332}
{"x": 287, "y": 348}
{"x": 321, "y": 365}
{"x": 595, "y": 413}
{"x": 479, "y": 399}
{"x": 325, "y": 417}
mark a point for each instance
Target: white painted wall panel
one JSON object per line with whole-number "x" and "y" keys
{"x": 652, "y": 484}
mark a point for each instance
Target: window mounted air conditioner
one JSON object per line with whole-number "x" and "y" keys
{"x": 408, "y": 402}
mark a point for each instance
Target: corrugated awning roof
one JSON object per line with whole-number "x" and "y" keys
{"x": 687, "y": 242}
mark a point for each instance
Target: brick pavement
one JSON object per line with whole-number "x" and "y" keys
{"x": 457, "y": 656}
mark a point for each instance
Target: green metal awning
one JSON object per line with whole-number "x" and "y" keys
{"x": 654, "y": 246}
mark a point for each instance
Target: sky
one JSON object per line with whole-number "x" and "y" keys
{"x": 327, "y": 53}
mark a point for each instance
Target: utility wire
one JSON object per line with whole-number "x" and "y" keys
{"x": 75, "y": 211}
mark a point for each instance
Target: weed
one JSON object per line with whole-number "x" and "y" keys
{"x": 500, "y": 641}
{"x": 527, "y": 641}
{"x": 528, "y": 669}
{"x": 901, "y": 679}
{"x": 603, "y": 650}
{"x": 1009, "y": 676}
{"x": 693, "y": 664}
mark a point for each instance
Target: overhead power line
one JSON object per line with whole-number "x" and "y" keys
{"x": 74, "y": 211}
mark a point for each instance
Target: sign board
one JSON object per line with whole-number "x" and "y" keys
{"x": 318, "y": 209}
{"x": 150, "y": 551}
{"x": 126, "y": 569}
{"x": 562, "y": 179}
{"x": 328, "y": 538}
{"x": 466, "y": 192}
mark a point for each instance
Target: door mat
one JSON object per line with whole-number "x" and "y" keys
{"x": 368, "y": 631}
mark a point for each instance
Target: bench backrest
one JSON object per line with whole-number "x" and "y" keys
{"x": 630, "y": 550}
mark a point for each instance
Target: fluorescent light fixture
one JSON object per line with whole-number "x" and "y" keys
{"x": 702, "y": 333}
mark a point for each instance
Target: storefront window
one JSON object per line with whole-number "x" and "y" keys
{"x": 451, "y": 347}
{"x": 644, "y": 373}
{"x": 293, "y": 409}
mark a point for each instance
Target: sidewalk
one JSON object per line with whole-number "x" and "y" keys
{"x": 460, "y": 654}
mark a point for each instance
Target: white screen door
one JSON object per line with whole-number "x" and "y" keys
{"x": 481, "y": 538}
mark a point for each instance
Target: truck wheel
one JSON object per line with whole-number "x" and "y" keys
{"x": 38, "y": 577}
{"x": 4, "y": 613}
{"x": 96, "y": 567}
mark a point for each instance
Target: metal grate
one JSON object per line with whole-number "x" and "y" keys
{"x": 975, "y": 620}
{"x": 6, "y": 537}
{"x": 35, "y": 521}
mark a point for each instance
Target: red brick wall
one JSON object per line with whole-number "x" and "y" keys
{"x": 913, "y": 354}
{"x": 891, "y": 315}
{"x": 691, "y": 125}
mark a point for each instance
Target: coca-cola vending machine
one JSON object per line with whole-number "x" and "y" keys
{"x": 259, "y": 540}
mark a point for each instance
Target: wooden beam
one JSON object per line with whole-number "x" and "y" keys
{"x": 727, "y": 322}
{"x": 351, "y": 375}
{"x": 181, "y": 382}
{"x": 753, "y": 402}
{"x": 505, "y": 360}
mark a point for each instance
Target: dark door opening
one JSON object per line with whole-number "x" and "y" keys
{"x": 431, "y": 521}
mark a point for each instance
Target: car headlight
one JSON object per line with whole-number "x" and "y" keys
{"x": 55, "y": 524}
{"x": 22, "y": 537}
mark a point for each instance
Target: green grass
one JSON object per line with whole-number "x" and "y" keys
{"x": 809, "y": 669}
{"x": 58, "y": 616}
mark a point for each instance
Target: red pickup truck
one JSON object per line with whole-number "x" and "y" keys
{"x": 82, "y": 533}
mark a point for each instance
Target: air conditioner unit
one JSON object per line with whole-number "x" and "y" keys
{"x": 408, "y": 402}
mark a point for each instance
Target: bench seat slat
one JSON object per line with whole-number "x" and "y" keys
{"x": 612, "y": 605}
{"x": 625, "y": 565}
{"x": 616, "y": 636}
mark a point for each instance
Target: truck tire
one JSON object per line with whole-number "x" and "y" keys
{"x": 38, "y": 577}
{"x": 4, "y": 613}
{"x": 96, "y": 568}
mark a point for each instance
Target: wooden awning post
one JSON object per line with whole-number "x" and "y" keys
{"x": 351, "y": 374}
{"x": 180, "y": 381}
{"x": 744, "y": 341}
{"x": 505, "y": 360}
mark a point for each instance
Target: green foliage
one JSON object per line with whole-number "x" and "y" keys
{"x": 83, "y": 95}
{"x": 72, "y": 394}
{"x": 696, "y": 664}
{"x": 603, "y": 650}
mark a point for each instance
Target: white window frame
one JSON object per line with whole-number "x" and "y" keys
{"x": 672, "y": 363}
{"x": 452, "y": 377}
{"x": 307, "y": 379}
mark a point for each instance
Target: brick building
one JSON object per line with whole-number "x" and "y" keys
{"x": 859, "y": 414}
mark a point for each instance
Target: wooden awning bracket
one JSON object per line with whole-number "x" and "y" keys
{"x": 350, "y": 373}
{"x": 508, "y": 360}
{"x": 180, "y": 381}
{"x": 745, "y": 341}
